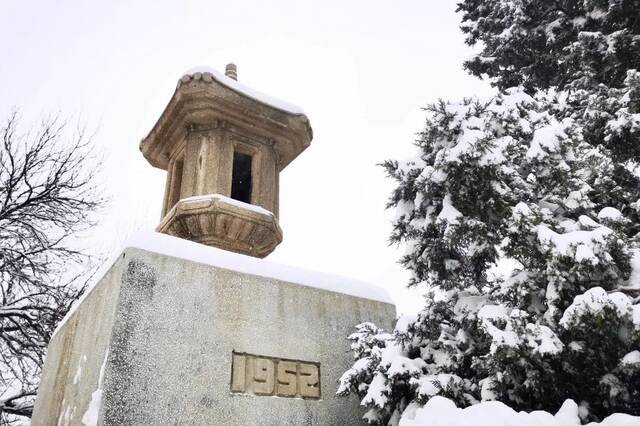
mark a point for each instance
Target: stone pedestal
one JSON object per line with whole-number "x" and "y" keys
{"x": 163, "y": 340}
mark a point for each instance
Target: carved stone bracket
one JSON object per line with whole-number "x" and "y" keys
{"x": 224, "y": 224}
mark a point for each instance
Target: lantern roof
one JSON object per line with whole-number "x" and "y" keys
{"x": 206, "y": 97}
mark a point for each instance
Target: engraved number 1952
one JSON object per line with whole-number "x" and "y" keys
{"x": 260, "y": 375}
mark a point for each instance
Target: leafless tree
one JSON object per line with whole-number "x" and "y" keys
{"x": 48, "y": 195}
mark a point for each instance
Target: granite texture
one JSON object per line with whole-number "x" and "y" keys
{"x": 208, "y": 121}
{"x": 167, "y": 328}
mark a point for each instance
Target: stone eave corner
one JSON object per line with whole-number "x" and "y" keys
{"x": 206, "y": 97}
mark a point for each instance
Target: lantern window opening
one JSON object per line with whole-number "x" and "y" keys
{"x": 241, "y": 177}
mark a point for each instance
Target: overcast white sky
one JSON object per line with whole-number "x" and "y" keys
{"x": 360, "y": 69}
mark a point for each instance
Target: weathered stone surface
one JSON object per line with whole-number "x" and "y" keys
{"x": 209, "y": 123}
{"x": 166, "y": 330}
{"x": 214, "y": 222}
{"x": 211, "y": 102}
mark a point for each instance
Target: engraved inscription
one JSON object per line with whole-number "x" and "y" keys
{"x": 308, "y": 381}
{"x": 263, "y": 377}
{"x": 260, "y": 375}
{"x": 287, "y": 378}
{"x": 238, "y": 374}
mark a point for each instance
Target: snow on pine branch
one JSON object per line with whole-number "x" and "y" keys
{"x": 506, "y": 181}
{"x": 520, "y": 217}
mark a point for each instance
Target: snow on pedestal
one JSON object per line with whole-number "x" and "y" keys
{"x": 178, "y": 332}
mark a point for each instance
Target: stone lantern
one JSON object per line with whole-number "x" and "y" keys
{"x": 223, "y": 146}
{"x": 176, "y": 333}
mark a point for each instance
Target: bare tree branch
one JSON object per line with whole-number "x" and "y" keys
{"x": 47, "y": 196}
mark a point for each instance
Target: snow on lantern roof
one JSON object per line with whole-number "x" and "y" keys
{"x": 205, "y": 99}
{"x": 239, "y": 88}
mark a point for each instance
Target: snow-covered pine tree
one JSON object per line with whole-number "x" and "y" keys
{"x": 552, "y": 43}
{"x": 506, "y": 180}
{"x": 589, "y": 48}
{"x": 540, "y": 178}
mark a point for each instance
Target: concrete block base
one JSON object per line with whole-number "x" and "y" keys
{"x": 162, "y": 340}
